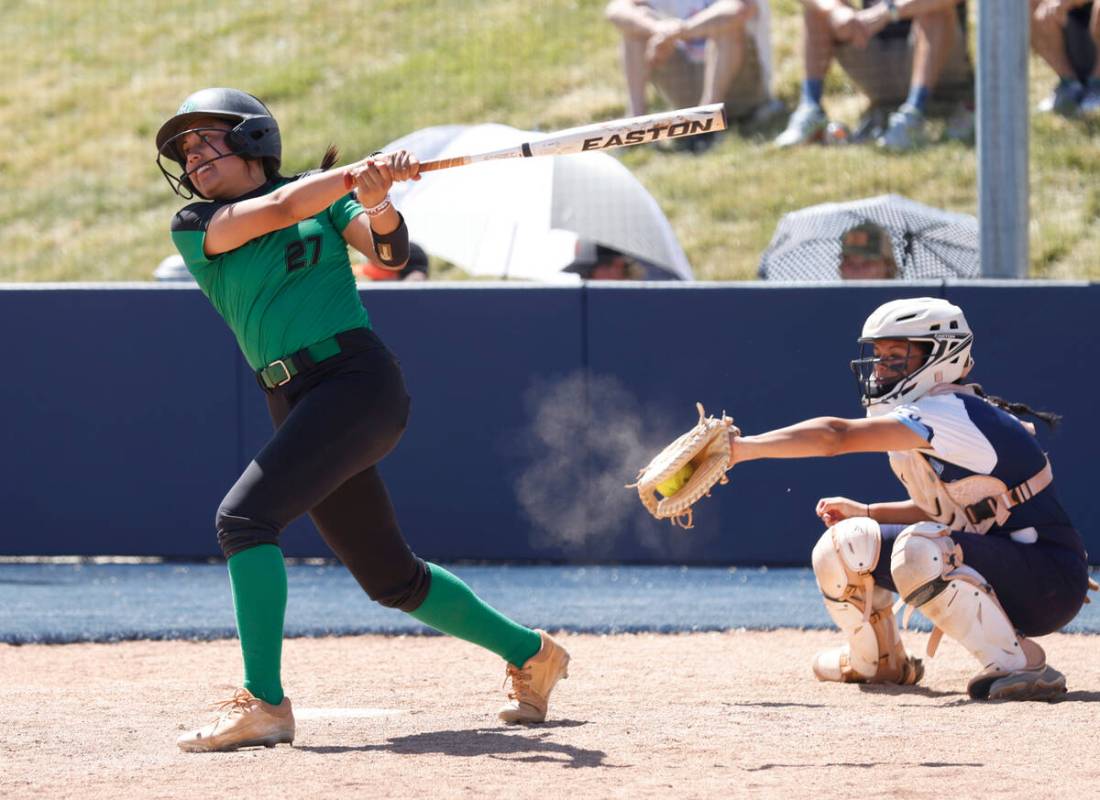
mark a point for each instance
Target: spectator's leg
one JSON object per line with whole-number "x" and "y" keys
{"x": 636, "y": 24}
{"x": 747, "y": 95}
{"x": 818, "y": 47}
{"x": 1052, "y": 42}
{"x": 1090, "y": 99}
{"x": 636, "y": 70}
{"x": 1094, "y": 34}
{"x": 933, "y": 40}
{"x": 725, "y": 55}
{"x": 934, "y": 37}
{"x": 808, "y": 122}
{"x": 1048, "y": 40}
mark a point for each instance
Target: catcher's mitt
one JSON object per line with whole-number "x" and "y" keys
{"x": 706, "y": 450}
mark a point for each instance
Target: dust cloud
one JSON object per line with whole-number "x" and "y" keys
{"x": 587, "y": 440}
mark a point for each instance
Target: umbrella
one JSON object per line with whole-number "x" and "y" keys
{"x": 523, "y": 218}
{"x": 929, "y": 243}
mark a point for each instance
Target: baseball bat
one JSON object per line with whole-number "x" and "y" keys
{"x": 604, "y": 136}
{"x": 600, "y": 136}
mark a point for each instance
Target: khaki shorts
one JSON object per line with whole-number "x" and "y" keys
{"x": 680, "y": 81}
{"x": 883, "y": 70}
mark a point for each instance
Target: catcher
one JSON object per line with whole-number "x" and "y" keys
{"x": 982, "y": 547}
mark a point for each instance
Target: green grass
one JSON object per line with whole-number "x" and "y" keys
{"x": 90, "y": 82}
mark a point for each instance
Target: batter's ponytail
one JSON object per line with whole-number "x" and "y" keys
{"x": 332, "y": 152}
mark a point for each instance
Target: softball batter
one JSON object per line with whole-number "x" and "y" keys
{"x": 982, "y": 546}
{"x": 270, "y": 252}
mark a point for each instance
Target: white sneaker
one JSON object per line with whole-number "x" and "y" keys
{"x": 1090, "y": 100}
{"x": 1064, "y": 100}
{"x": 904, "y": 130}
{"x": 807, "y": 124}
{"x": 961, "y": 125}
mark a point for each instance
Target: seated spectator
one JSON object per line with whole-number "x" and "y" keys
{"x": 596, "y": 262}
{"x": 416, "y": 269}
{"x": 897, "y": 52}
{"x": 867, "y": 254}
{"x": 697, "y": 52}
{"x": 1066, "y": 34}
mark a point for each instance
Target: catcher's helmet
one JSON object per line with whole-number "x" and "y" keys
{"x": 934, "y": 323}
{"x": 255, "y": 133}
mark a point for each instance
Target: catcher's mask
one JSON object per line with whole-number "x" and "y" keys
{"x": 254, "y": 134}
{"x": 936, "y": 327}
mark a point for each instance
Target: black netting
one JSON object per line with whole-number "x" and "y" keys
{"x": 928, "y": 243}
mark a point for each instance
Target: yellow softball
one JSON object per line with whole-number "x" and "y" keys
{"x": 676, "y": 482}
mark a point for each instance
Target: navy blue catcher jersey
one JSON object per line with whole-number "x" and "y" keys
{"x": 968, "y": 435}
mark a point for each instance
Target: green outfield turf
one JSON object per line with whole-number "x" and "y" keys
{"x": 90, "y": 82}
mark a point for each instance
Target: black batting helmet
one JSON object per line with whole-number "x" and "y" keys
{"x": 255, "y": 133}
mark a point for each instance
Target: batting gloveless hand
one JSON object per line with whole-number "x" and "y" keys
{"x": 685, "y": 471}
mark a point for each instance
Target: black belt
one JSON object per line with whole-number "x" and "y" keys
{"x": 282, "y": 371}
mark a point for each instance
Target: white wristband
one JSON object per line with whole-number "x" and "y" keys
{"x": 381, "y": 208}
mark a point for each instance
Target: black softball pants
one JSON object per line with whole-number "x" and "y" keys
{"x": 333, "y": 424}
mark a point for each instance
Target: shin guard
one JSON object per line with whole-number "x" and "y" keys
{"x": 928, "y": 570}
{"x": 843, "y": 560}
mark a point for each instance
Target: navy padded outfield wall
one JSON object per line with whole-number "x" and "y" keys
{"x": 128, "y": 412}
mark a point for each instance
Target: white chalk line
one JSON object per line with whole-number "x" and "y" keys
{"x": 345, "y": 713}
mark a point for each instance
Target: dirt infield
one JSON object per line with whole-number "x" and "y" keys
{"x": 694, "y": 715}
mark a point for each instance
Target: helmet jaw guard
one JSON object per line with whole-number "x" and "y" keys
{"x": 930, "y": 321}
{"x": 254, "y": 133}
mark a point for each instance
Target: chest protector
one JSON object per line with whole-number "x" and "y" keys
{"x": 973, "y": 504}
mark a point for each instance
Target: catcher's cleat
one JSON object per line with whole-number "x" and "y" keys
{"x": 532, "y": 684}
{"x": 834, "y": 665}
{"x": 1039, "y": 683}
{"x": 245, "y": 721}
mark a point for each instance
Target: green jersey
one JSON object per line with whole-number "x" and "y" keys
{"x": 284, "y": 290}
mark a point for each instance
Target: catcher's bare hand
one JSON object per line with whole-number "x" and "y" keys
{"x": 832, "y": 510}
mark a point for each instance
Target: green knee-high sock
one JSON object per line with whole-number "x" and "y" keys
{"x": 453, "y": 608}
{"x": 258, "y": 578}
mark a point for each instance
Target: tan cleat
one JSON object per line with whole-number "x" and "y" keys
{"x": 245, "y": 721}
{"x": 532, "y": 684}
